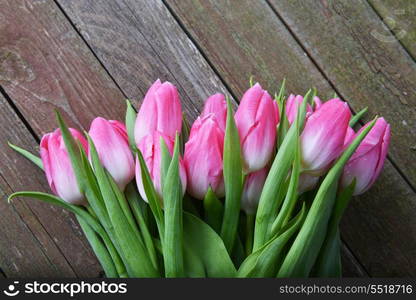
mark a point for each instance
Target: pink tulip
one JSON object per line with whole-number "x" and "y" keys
{"x": 151, "y": 151}
{"x": 111, "y": 141}
{"x": 58, "y": 168}
{"x": 217, "y": 106}
{"x": 160, "y": 111}
{"x": 367, "y": 162}
{"x": 322, "y": 139}
{"x": 292, "y": 105}
{"x": 349, "y": 137}
{"x": 204, "y": 150}
{"x": 252, "y": 190}
{"x": 256, "y": 120}
{"x": 317, "y": 103}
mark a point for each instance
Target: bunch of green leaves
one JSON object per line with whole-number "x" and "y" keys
{"x": 172, "y": 235}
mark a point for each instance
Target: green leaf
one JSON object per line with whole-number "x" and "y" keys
{"x": 305, "y": 249}
{"x": 328, "y": 263}
{"x": 134, "y": 199}
{"x": 99, "y": 248}
{"x": 251, "y": 81}
{"x": 208, "y": 246}
{"x": 33, "y": 158}
{"x": 151, "y": 195}
{"x": 80, "y": 212}
{"x": 96, "y": 202}
{"x": 73, "y": 152}
{"x": 268, "y": 203}
{"x": 291, "y": 195}
{"x": 314, "y": 93}
{"x": 232, "y": 179}
{"x": 357, "y": 117}
{"x": 280, "y": 97}
{"x": 93, "y": 193}
{"x": 172, "y": 200}
{"x": 130, "y": 124}
{"x": 124, "y": 206}
{"x": 265, "y": 262}
{"x": 283, "y": 126}
{"x": 213, "y": 210}
{"x": 193, "y": 265}
{"x": 165, "y": 161}
{"x": 133, "y": 251}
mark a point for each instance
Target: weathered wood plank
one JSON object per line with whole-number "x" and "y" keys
{"x": 366, "y": 70}
{"x": 227, "y": 32}
{"x": 46, "y": 65}
{"x": 138, "y": 42}
{"x": 380, "y": 225}
{"x": 400, "y": 17}
{"x": 36, "y": 239}
{"x": 350, "y": 266}
{"x": 21, "y": 253}
{"x": 160, "y": 48}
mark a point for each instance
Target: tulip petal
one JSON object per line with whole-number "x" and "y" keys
{"x": 322, "y": 139}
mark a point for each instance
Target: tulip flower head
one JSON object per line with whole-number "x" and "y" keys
{"x": 111, "y": 141}
{"x": 294, "y": 102}
{"x": 256, "y": 121}
{"x": 292, "y": 105}
{"x": 367, "y": 162}
{"x": 322, "y": 139}
{"x": 217, "y": 106}
{"x": 252, "y": 190}
{"x": 317, "y": 103}
{"x": 151, "y": 151}
{"x": 349, "y": 137}
{"x": 160, "y": 111}
{"x": 204, "y": 150}
{"x": 57, "y": 165}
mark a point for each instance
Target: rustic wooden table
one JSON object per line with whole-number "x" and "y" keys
{"x": 85, "y": 57}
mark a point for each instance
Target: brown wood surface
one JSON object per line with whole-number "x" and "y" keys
{"x": 235, "y": 31}
{"x": 46, "y": 65}
{"x": 83, "y": 57}
{"x": 138, "y": 42}
{"x": 400, "y": 17}
{"x": 365, "y": 70}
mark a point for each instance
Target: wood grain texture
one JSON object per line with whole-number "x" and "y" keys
{"x": 138, "y": 42}
{"x": 147, "y": 29}
{"x": 400, "y": 17}
{"x": 350, "y": 266}
{"x": 366, "y": 70}
{"x": 246, "y": 27}
{"x": 36, "y": 240}
{"x": 45, "y": 65}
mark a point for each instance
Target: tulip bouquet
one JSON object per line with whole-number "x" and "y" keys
{"x": 258, "y": 193}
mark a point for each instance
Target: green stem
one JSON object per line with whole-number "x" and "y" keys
{"x": 133, "y": 200}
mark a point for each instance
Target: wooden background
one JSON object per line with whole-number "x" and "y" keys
{"x": 85, "y": 57}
